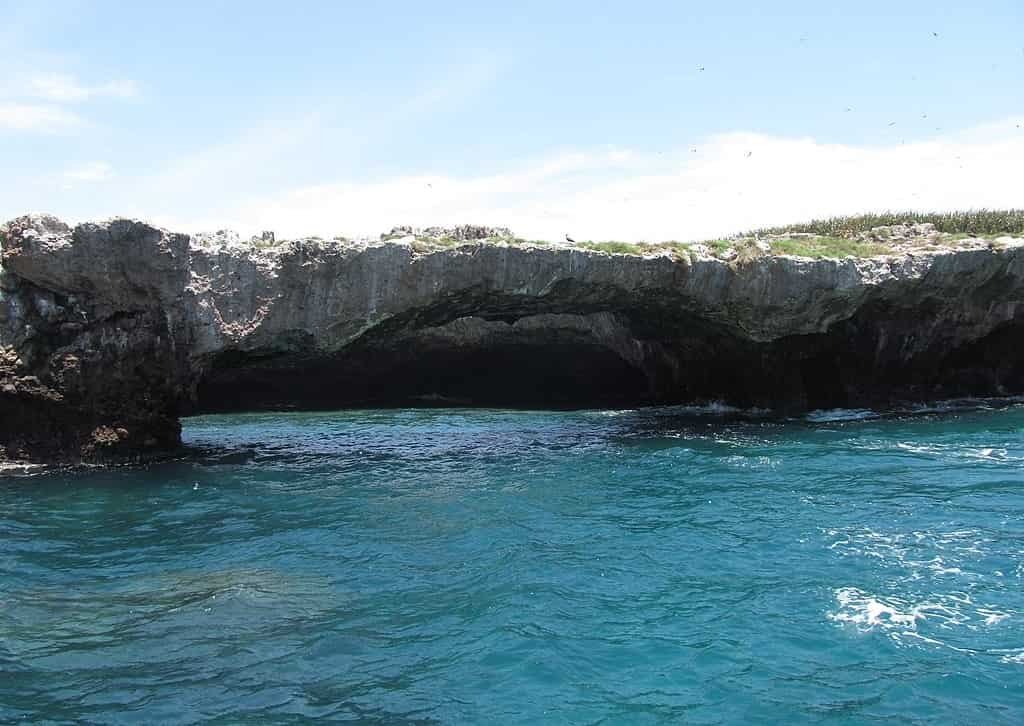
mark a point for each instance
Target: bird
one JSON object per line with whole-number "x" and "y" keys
{"x": 935, "y": 34}
{"x": 749, "y": 153}
{"x": 892, "y": 123}
{"x": 700, "y": 68}
{"x": 570, "y": 240}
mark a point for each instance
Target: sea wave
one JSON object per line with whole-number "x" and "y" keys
{"x": 825, "y": 415}
{"x": 903, "y": 613}
{"x": 654, "y": 565}
{"x": 866, "y": 611}
{"x": 840, "y": 414}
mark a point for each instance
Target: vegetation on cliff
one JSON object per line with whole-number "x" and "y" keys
{"x": 109, "y": 331}
{"x": 863, "y": 235}
{"x": 970, "y": 222}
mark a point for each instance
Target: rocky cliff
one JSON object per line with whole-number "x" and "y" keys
{"x": 110, "y": 332}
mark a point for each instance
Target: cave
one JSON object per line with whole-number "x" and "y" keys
{"x": 556, "y": 375}
{"x": 849, "y": 366}
{"x": 110, "y": 332}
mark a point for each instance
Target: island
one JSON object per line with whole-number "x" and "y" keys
{"x": 110, "y": 332}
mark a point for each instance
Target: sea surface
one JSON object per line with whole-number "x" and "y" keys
{"x": 485, "y": 566}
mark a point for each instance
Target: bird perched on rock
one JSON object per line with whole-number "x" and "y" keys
{"x": 570, "y": 240}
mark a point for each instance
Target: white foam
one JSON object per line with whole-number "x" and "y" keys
{"x": 939, "y": 567}
{"x": 903, "y": 616}
{"x": 614, "y": 413}
{"x": 992, "y": 617}
{"x": 713, "y": 408}
{"x": 919, "y": 448}
{"x": 992, "y": 454}
{"x": 832, "y": 415}
{"x": 867, "y": 612}
{"x": 962, "y": 404}
{"x": 985, "y": 453}
{"x": 750, "y": 462}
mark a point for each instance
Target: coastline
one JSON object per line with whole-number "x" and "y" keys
{"x": 110, "y": 332}
{"x": 706, "y": 414}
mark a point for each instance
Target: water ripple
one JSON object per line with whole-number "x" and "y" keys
{"x": 656, "y": 566}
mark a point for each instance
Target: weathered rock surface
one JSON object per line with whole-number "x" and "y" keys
{"x": 109, "y": 332}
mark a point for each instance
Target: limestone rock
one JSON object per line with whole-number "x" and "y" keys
{"x": 110, "y": 331}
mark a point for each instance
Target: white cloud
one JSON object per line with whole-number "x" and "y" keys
{"x": 457, "y": 83}
{"x": 731, "y": 182}
{"x": 37, "y": 102}
{"x": 36, "y": 117}
{"x": 96, "y": 171}
{"x": 273, "y": 146}
{"x": 64, "y": 88}
{"x": 250, "y": 152}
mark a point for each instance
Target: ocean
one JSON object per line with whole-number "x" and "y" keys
{"x": 670, "y": 565}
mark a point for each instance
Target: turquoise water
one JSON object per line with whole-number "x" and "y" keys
{"x": 656, "y": 566}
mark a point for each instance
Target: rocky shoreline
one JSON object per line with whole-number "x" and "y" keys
{"x": 110, "y": 332}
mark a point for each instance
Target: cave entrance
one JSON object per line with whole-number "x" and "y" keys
{"x": 558, "y": 375}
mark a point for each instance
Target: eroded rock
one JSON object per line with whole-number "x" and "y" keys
{"x": 109, "y": 332}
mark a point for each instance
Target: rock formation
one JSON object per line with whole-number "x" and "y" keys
{"x": 110, "y": 332}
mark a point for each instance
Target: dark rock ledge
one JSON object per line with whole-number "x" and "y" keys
{"x": 110, "y": 332}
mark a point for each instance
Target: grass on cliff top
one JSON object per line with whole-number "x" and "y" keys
{"x": 678, "y": 250}
{"x": 834, "y": 237}
{"x": 424, "y": 243}
{"x": 837, "y": 237}
{"x": 826, "y": 247}
{"x": 971, "y": 222}
{"x": 815, "y": 247}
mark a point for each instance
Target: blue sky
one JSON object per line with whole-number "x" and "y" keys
{"x": 647, "y": 120}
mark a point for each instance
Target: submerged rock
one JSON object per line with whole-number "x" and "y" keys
{"x": 110, "y": 332}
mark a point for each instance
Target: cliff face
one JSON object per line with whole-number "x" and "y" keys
{"x": 109, "y": 332}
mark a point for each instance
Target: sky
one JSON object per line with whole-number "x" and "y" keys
{"x": 632, "y": 121}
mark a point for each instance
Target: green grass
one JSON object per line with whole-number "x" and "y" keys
{"x": 836, "y": 237}
{"x": 960, "y": 236}
{"x": 719, "y": 247}
{"x": 970, "y": 222}
{"x": 615, "y": 247}
{"x": 680, "y": 251}
{"x": 826, "y": 247}
{"x": 424, "y": 243}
